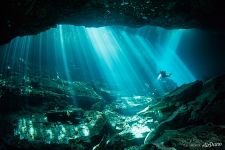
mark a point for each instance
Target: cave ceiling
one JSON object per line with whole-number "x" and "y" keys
{"x": 28, "y": 17}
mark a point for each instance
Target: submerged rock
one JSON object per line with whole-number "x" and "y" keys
{"x": 209, "y": 105}
{"x": 128, "y": 130}
{"x": 190, "y": 117}
{"x": 166, "y": 85}
{"x": 190, "y": 108}
{"x": 194, "y": 137}
{"x": 130, "y": 105}
{"x": 44, "y": 93}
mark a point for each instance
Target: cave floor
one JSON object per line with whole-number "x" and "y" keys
{"x": 40, "y": 112}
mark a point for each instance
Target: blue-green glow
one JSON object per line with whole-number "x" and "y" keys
{"x": 113, "y": 55}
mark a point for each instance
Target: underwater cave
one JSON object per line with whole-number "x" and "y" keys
{"x": 112, "y": 75}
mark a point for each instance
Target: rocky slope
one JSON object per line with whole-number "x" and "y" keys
{"x": 25, "y": 17}
{"x": 55, "y": 114}
{"x": 193, "y": 117}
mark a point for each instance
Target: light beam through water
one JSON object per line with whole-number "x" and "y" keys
{"x": 124, "y": 60}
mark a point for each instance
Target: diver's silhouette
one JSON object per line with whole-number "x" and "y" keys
{"x": 163, "y": 74}
{"x": 165, "y": 83}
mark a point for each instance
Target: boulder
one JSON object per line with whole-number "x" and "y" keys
{"x": 83, "y": 95}
{"x": 172, "y": 101}
{"x": 209, "y": 105}
{"x": 188, "y": 107}
{"x": 130, "y": 106}
{"x": 48, "y": 93}
{"x": 194, "y": 137}
{"x": 128, "y": 130}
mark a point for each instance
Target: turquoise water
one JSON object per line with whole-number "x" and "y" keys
{"x": 120, "y": 57}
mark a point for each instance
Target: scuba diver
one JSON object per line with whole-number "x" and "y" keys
{"x": 165, "y": 83}
{"x": 163, "y": 74}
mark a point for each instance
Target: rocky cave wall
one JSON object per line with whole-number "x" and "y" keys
{"x": 26, "y": 17}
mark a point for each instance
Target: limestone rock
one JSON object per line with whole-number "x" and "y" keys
{"x": 203, "y": 106}
{"x": 44, "y": 93}
{"x": 26, "y": 17}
